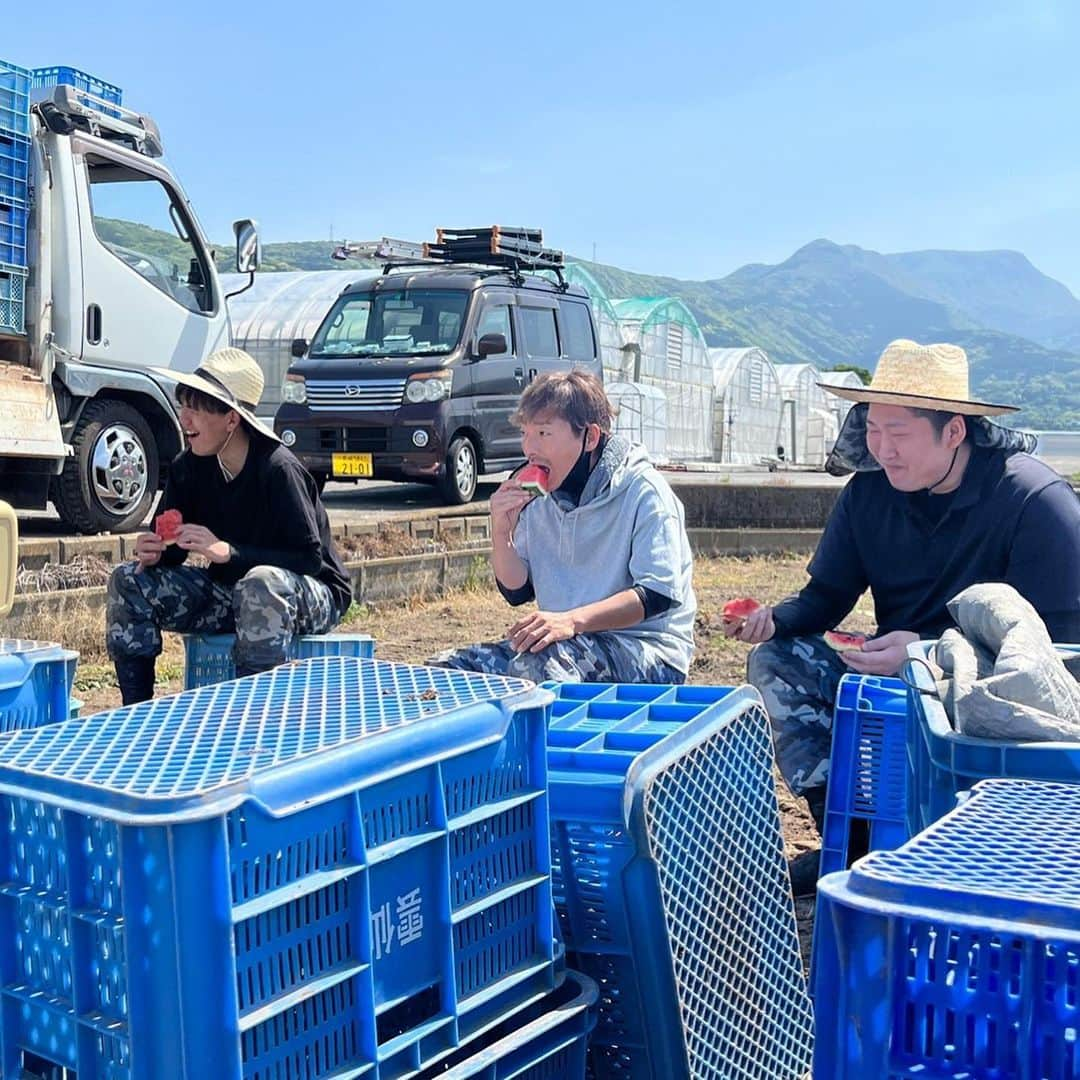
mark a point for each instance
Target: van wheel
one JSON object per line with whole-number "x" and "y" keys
{"x": 458, "y": 483}
{"x": 110, "y": 481}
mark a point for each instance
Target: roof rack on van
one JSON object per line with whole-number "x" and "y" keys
{"x": 107, "y": 119}
{"x": 494, "y": 246}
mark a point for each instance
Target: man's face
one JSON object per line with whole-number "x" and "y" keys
{"x": 913, "y": 455}
{"x": 551, "y": 441}
{"x": 206, "y": 431}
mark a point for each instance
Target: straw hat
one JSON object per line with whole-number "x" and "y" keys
{"x": 921, "y": 377}
{"x": 232, "y": 377}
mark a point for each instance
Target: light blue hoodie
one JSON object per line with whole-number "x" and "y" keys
{"x": 628, "y": 529}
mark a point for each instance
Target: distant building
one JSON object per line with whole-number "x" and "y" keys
{"x": 839, "y": 406}
{"x": 747, "y": 404}
{"x": 666, "y": 349}
{"x": 808, "y": 426}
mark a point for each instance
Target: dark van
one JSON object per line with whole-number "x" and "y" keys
{"x": 415, "y": 375}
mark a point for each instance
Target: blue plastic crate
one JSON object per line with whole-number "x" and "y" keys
{"x": 14, "y": 167}
{"x": 958, "y": 954}
{"x": 336, "y": 868}
{"x": 14, "y": 99}
{"x": 46, "y": 77}
{"x": 208, "y": 658}
{"x": 867, "y": 769}
{"x": 548, "y": 1042}
{"x": 671, "y": 883}
{"x": 942, "y": 762}
{"x": 13, "y": 220}
{"x": 35, "y": 683}
{"x": 12, "y": 300}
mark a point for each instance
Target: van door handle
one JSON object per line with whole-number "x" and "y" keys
{"x": 533, "y": 372}
{"x": 519, "y": 375}
{"x": 93, "y": 325}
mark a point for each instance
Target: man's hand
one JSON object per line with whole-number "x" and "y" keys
{"x": 541, "y": 629}
{"x": 509, "y": 499}
{"x": 881, "y": 655}
{"x": 757, "y": 627}
{"x": 148, "y": 550}
{"x": 203, "y": 542}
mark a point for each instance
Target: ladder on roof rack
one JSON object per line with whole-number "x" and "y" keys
{"x": 108, "y": 120}
{"x": 513, "y": 249}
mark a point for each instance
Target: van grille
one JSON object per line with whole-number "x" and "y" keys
{"x": 354, "y": 395}
{"x": 354, "y": 440}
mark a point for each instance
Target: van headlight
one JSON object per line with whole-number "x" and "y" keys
{"x": 294, "y": 390}
{"x": 435, "y": 386}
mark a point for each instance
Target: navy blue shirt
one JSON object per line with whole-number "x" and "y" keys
{"x": 1012, "y": 519}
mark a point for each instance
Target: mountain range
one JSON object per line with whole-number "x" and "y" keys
{"x": 831, "y": 304}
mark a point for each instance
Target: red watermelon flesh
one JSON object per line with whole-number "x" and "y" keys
{"x": 167, "y": 525}
{"x": 844, "y": 642}
{"x": 534, "y": 478}
{"x": 738, "y": 609}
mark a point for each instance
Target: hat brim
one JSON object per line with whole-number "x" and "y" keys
{"x": 204, "y": 386}
{"x": 867, "y": 396}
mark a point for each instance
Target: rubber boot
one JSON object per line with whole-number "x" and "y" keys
{"x": 806, "y": 866}
{"x": 135, "y": 676}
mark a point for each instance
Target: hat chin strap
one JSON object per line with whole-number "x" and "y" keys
{"x": 930, "y": 489}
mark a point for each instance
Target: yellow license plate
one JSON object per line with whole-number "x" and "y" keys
{"x": 351, "y": 465}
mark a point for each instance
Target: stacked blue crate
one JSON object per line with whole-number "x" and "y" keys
{"x": 957, "y": 955}
{"x": 338, "y": 867}
{"x": 36, "y": 678}
{"x": 46, "y": 77}
{"x": 15, "y": 85}
{"x": 671, "y": 883}
{"x": 547, "y": 1042}
{"x": 943, "y": 763}
{"x": 867, "y": 769}
{"x": 208, "y": 658}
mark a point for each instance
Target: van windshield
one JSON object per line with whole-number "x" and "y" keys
{"x": 406, "y": 322}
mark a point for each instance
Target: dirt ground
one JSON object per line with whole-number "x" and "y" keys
{"x": 415, "y": 629}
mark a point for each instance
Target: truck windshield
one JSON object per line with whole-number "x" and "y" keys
{"x": 405, "y": 322}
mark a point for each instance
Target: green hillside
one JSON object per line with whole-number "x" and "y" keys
{"x": 832, "y": 304}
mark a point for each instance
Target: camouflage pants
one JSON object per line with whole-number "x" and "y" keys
{"x": 591, "y": 658}
{"x": 266, "y": 608}
{"x": 798, "y": 679}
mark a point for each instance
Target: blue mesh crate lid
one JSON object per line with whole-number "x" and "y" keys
{"x": 298, "y": 734}
{"x": 1013, "y": 844}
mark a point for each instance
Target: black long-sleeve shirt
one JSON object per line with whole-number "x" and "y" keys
{"x": 1013, "y": 520}
{"x": 270, "y": 513}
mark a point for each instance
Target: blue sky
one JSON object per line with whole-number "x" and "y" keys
{"x": 682, "y": 139}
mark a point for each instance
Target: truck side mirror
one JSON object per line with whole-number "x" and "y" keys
{"x": 248, "y": 248}
{"x": 299, "y": 346}
{"x": 491, "y": 345}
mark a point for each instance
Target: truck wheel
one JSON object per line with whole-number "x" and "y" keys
{"x": 111, "y": 480}
{"x": 458, "y": 483}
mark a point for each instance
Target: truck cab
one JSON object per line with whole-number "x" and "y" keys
{"x": 415, "y": 376}
{"x": 116, "y": 279}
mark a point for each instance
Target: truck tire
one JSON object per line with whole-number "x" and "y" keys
{"x": 458, "y": 482}
{"x": 110, "y": 482}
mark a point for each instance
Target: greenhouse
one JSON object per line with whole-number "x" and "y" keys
{"x": 808, "y": 426}
{"x": 612, "y": 355}
{"x": 276, "y": 309}
{"x": 839, "y": 406}
{"x": 747, "y": 403}
{"x": 641, "y": 416}
{"x": 666, "y": 349}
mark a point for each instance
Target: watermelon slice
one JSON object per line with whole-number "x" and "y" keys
{"x": 534, "y": 479}
{"x": 168, "y": 524}
{"x": 843, "y": 642}
{"x": 737, "y": 610}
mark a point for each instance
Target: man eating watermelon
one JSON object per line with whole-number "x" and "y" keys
{"x": 594, "y": 534}
{"x": 941, "y": 499}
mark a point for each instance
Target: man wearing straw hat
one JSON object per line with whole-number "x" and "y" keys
{"x": 253, "y": 512}
{"x": 941, "y": 499}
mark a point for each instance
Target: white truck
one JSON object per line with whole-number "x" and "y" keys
{"x": 105, "y": 297}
